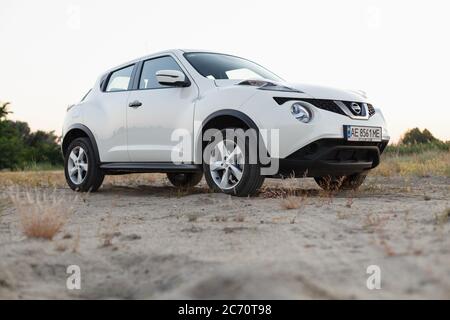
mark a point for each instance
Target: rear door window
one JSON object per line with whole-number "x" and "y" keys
{"x": 120, "y": 79}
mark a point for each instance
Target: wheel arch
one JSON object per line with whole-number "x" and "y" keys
{"x": 76, "y": 131}
{"x": 220, "y": 120}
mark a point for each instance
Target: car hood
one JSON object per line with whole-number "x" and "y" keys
{"x": 329, "y": 93}
{"x": 314, "y": 91}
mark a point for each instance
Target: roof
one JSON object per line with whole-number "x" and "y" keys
{"x": 157, "y": 54}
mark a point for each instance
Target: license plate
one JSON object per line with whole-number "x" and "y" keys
{"x": 360, "y": 133}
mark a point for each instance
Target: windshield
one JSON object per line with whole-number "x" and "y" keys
{"x": 222, "y": 66}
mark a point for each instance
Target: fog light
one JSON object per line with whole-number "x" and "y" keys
{"x": 301, "y": 113}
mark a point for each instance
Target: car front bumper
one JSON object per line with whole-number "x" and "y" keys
{"x": 332, "y": 157}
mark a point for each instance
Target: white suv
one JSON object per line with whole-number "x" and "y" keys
{"x": 157, "y": 114}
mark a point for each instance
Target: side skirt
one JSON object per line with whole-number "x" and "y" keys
{"x": 148, "y": 167}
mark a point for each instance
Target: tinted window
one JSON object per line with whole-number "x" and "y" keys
{"x": 222, "y": 66}
{"x": 148, "y": 76}
{"x": 120, "y": 79}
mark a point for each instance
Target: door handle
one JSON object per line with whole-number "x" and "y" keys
{"x": 135, "y": 104}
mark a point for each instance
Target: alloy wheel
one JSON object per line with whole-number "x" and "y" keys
{"x": 226, "y": 164}
{"x": 77, "y": 165}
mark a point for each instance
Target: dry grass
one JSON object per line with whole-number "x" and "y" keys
{"x": 291, "y": 202}
{"x": 430, "y": 163}
{"x": 282, "y": 189}
{"x": 56, "y": 179}
{"x": 33, "y": 179}
{"x": 41, "y": 215}
{"x": 290, "y": 195}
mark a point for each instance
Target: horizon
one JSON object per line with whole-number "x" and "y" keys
{"x": 60, "y": 48}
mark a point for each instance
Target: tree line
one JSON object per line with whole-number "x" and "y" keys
{"x": 418, "y": 141}
{"x": 21, "y": 148}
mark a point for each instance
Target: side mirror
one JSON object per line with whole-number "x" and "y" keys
{"x": 172, "y": 78}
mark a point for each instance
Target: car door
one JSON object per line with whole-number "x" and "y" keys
{"x": 106, "y": 115}
{"x": 157, "y": 114}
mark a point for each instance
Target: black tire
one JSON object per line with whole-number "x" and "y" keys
{"x": 94, "y": 176}
{"x": 185, "y": 180}
{"x": 251, "y": 179}
{"x": 336, "y": 183}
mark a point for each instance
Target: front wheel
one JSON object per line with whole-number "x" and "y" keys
{"x": 80, "y": 168}
{"x": 335, "y": 183}
{"x": 227, "y": 168}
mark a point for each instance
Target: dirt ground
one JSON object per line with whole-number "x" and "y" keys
{"x": 148, "y": 240}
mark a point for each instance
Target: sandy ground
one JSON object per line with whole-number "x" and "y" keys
{"x": 151, "y": 241}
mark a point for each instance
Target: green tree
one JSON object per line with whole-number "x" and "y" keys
{"x": 43, "y": 147}
{"x": 4, "y": 110}
{"x": 12, "y": 147}
{"x": 19, "y": 146}
{"x": 415, "y": 136}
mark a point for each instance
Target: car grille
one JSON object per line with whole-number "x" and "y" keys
{"x": 349, "y": 104}
{"x": 330, "y": 105}
{"x": 371, "y": 110}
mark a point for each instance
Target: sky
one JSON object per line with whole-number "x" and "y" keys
{"x": 52, "y": 51}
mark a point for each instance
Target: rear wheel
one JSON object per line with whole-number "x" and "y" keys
{"x": 335, "y": 183}
{"x": 80, "y": 168}
{"x": 227, "y": 168}
{"x": 181, "y": 180}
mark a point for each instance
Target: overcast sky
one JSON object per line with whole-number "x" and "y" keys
{"x": 397, "y": 51}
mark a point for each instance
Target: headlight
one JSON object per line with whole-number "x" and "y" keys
{"x": 277, "y": 87}
{"x": 301, "y": 113}
{"x": 267, "y": 85}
